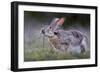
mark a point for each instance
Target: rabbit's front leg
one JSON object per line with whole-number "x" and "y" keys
{"x": 51, "y": 45}
{"x": 55, "y": 43}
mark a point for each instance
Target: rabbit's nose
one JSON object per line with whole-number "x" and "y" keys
{"x": 43, "y": 31}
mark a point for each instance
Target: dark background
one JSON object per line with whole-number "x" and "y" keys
{"x": 71, "y": 18}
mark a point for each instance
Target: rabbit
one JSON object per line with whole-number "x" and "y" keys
{"x": 73, "y": 41}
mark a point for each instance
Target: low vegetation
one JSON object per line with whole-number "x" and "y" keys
{"x": 41, "y": 54}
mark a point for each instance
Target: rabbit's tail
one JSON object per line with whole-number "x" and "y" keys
{"x": 84, "y": 44}
{"x": 86, "y": 39}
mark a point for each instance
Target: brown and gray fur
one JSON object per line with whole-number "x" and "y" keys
{"x": 65, "y": 40}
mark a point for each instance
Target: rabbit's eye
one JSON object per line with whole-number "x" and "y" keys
{"x": 67, "y": 43}
{"x": 55, "y": 33}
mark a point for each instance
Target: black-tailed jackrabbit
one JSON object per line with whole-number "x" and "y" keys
{"x": 72, "y": 40}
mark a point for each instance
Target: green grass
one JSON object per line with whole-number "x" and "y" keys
{"x": 41, "y": 54}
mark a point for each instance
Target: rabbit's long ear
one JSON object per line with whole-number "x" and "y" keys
{"x": 54, "y": 22}
{"x": 61, "y": 21}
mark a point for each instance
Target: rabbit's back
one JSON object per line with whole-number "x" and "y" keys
{"x": 73, "y": 36}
